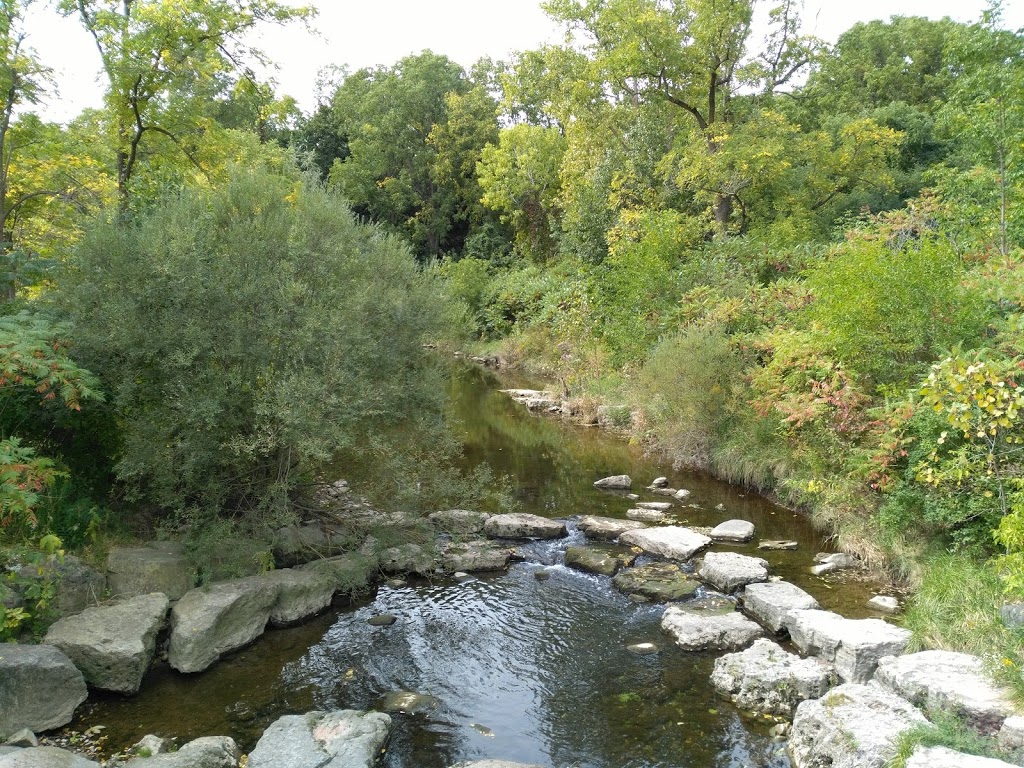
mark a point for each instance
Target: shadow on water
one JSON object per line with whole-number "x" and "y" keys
{"x": 522, "y": 669}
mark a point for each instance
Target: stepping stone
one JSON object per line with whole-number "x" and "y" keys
{"x": 658, "y": 506}
{"x": 615, "y": 483}
{"x": 601, "y": 562}
{"x": 659, "y": 482}
{"x": 607, "y": 528}
{"x": 672, "y": 542}
{"x": 523, "y": 526}
{"x": 647, "y": 515}
{"x": 766, "y": 679}
{"x": 853, "y": 645}
{"x": 777, "y": 545}
{"x": 696, "y": 630}
{"x": 739, "y": 531}
{"x": 660, "y": 582}
{"x": 772, "y": 601}
{"x": 728, "y": 571}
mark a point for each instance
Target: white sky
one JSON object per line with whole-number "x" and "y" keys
{"x": 361, "y": 33}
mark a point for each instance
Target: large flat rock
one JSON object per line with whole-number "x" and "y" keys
{"x": 697, "y": 630}
{"x": 852, "y": 726}
{"x": 112, "y": 645}
{"x": 736, "y": 531}
{"x": 607, "y": 528}
{"x": 523, "y": 526}
{"x": 942, "y": 757}
{"x": 44, "y": 757}
{"x": 947, "y": 680}
{"x": 728, "y": 571}
{"x": 217, "y": 619}
{"x": 205, "y": 752}
{"x": 301, "y": 594}
{"x": 767, "y": 679}
{"x": 660, "y": 582}
{"x": 602, "y": 561}
{"x": 771, "y": 602}
{"x": 475, "y": 556}
{"x": 672, "y": 542}
{"x": 342, "y": 739}
{"x": 143, "y": 570}
{"x": 615, "y": 483}
{"x": 853, "y": 645}
{"x": 40, "y": 688}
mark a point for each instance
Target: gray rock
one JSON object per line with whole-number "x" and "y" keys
{"x": 207, "y": 752}
{"x": 495, "y": 764}
{"x": 1012, "y": 615}
{"x": 777, "y": 544}
{"x": 298, "y": 544}
{"x": 834, "y": 562}
{"x": 459, "y": 521}
{"x": 45, "y": 757}
{"x": 671, "y": 542}
{"x": 645, "y": 515}
{"x": 1011, "y": 735}
{"x": 615, "y": 483}
{"x": 301, "y": 594}
{"x": 152, "y": 745}
{"x": 696, "y": 630}
{"x": 852, "y": 726}
{"x": 475, "y": 556}
{"x": 884, "y": 603}
{"x": 349, "y": 573}
{"x": 40, "y": 688}
{"x": 382, "y": 620}
{"x": 217, "y": 619}
{"x": 9, "y": 598}
{"x": 853, "y": 645}
{"x": 658, "y": 506}
{"x": 766, "y": 679}
{"x": 409, "y": 702}
{"x": 682, "y": 493}
{"x": 145, "y": 570}
{"x": 523, "y": 526}
{"x": 113, "y": 645}
{"x": 643, "y": 649}
{"x": 607, "y": 528}
{"x": 660, "y": 582}
{"x": 659, "y": 482}
{"x": 23, "y": 738}
{"x": 728, "y": 571}
{"x": 343, "y": 739}
{"x": 941, "y": 757}
{"x": 76, "y": 585}
{"x": 408, "y": 558}
{"x": 663, "y": 491}
{"x": 944, "y": 680}
{"x": 740, "y": 531}
{"x": 772, "y": 601}
{"x": 600, "y": 561}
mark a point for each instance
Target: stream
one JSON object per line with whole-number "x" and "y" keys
{"x": 529, "y": 670}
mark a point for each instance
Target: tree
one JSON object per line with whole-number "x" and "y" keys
{"x": 158, "y": 57}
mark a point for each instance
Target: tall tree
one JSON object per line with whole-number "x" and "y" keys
{"x": 157, "y": 57}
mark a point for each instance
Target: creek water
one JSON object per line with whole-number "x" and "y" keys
{"x": 523, "y": 669}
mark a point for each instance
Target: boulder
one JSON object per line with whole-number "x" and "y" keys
{"x": 408, "y": 558}
{"x": 607, "y": 528}
{"x": 300, "y": 594}
{"x": 671, "y": 542}
{"x": 681, "y": 494}
{"x": 342, "y": 739}
{"x": 660, "y": 582}
{"x": 475, "y": 556}
{"x": 852, "y": 726}
{"x": 853, "y": 645}
{"x": 771, "y": 602}
{"x": 949, "y": 681}
{"x": 645, "y": 515}
{"x": 615, "y": 483}
{"x": 75, "y": 584}
{"x": 766, "y": 679}
{"x": 112, "y": 645}
{"x": 697, "y": 630}
{"x": 44, "y": 757}
{"x": 523, "y": 526}
{"x": 349, "y": 572}
{"x": 728, "y": 571}
{"x": 460, "y": 522}
{"x": 740, "y": 531}
{"x": 40, "y": 688}
{"x": 659, "y": 482}
{"x": 834, "y": 562}
{"x": 603, "y": 562}
{"x": 217, "y": 619}
{"x": 207, "y": 752}
{"x": 941, "y": 757}
{"x": 145, "y": 570}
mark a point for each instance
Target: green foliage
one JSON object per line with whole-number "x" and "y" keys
{"x": 33, "y": 574}
{"x": 945, "y": 729}
{"x": 468, "y": 281}
{"x": 246, "y": 336}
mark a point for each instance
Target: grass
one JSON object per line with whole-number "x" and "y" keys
{"x": 944, "y": 730}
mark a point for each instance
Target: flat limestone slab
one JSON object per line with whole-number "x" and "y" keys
{"x": 696, "y": 630}
{"x": 607, "y": 528}
{"x": 771, "y": 602}
{"x": 728, "y": 571}
{"x": 853, "y": 645}
{"x": 739, "y": 531}
{"x": 112, "y": 645}
{"x": 672, "y": 542}
{"x": 852, "y": 726}
{"x": 523, "y": 526}
{"x": 950, "y": 681}
{"x": 941, "y": 757}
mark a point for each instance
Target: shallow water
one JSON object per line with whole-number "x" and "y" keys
{"x": 523, "y": 669}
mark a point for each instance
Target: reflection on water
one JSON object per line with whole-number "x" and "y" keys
{"x": 523, "y": 669}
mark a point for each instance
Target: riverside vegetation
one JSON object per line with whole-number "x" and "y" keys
{"x": 799, "y": 264}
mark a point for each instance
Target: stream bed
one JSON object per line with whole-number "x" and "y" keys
{"x": 522, "y": 669}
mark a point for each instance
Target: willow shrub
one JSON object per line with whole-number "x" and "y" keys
{"x": 246, "y": 335}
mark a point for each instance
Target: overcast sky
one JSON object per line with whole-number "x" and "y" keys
{"x": 361, "y": 33}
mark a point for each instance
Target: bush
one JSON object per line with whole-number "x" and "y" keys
{"x": 246, "y": 335}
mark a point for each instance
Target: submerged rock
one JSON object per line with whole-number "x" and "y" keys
{"x": 852, "y": 726}
{"x": 643, "y": 649}
{"x": 40, "y": 688}
{"x": 409, "y": 702}
{"x": 777, "y": 544}
{"x": 342, "y": 739}
{"x": 728, "y": 571}
{"x": 771, "y": 602}
{"x": 112, "y": 645}
{"x": 733, "y": 530}
{"x": 607, "y": 528}
{"x": 523, "y": 526}
{"x": 695, "y": 630}
{"x": 382, "y": 620}
{"x": 598, "y": 561}
{"x": 672, "y": 542}
{"x": 615, "y": 483}
{"x": 660, "y": 582}
{"x": 853, "y": 645}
